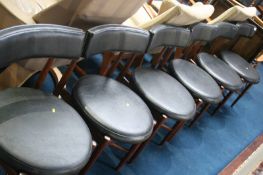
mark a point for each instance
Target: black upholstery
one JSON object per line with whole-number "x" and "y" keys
{"x": 165, "y": 36}
{"x": 204, "y": 32}
{"x": 116, "y": 37}
{"x": 34, "y": 41}
{"x": 113, "y": 108}
{"x": 226, "y": 30}
{"x": 219, "y": 70}
{"x": 241, "y": 66}
{"x": 165, "y": 93}
{"x": 196, "y": 80}
{"x": 246, "y": 29}
{"x": 40, "y": 134}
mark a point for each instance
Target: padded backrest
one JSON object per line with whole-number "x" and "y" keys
{"x": 37, "y": 41}
{"x": 227, "y": 30}
{"x": 204, "y": 32}
{"x": 169, "y": 36}
{"x": 246, "y": 29}
{"x": 114, "y": 37}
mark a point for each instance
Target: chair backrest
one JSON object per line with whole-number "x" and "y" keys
{"x": 204, "y": 32}
{"x": 109, "y": 11}
{"x": 235, "y": 14}
{"x": 89, "y": 11}
{"x": 169, "y": 36}
{"x": 246, "y": 29}
{"x": 114, "y": 37}
{"x": 37, "y": 41}
{"x": 227, "y": 30}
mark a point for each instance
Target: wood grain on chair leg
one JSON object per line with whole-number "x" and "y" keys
{"x": 157, "y": 58}
{"x": 179, "y": 125}
{"x": 44, "y": 72}
{"x": 242, "y": 93}
{"x": 65, "y": 77}
{"x": 222, "y": 102}
{"x": 107, "y": 59}
{"x": 80, "y": 71}
{"x": 157, "y": 126}
{"x": 131, "y": 152}
{"x": 199, "y": 114}
{"x": 95, "y": 155}
{"x": 167, "y": 57}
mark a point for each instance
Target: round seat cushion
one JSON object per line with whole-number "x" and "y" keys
{"x": 41, "y": 134}
{"x": 165, "y": 93}
{"x": 241, "y": 66}
{"x": 200, "y": 83}
{"x": 220, "y": 71}
{"x": 113, "y": 108}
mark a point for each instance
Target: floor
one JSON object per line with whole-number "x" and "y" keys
{"x": 204, "y": 149}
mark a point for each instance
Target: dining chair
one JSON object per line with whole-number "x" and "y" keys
{"x": 40, "y": 133}
{"x": 113, "y": 111}
{"x": 202, "y": 86}
{"x": 167, "y": 98}
{"x": 245, "y": 70}
{"x": 228, "y": 78}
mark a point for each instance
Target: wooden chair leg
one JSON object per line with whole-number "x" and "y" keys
{"x": 131, "y": 152}
{"x": 222, "y": 102}
{"x": 199, "y": 114}
{"x": 43, "y": 73}
{"x": 107, "y": 58}
{"x": 157, "y": 126}
{"x": 179, "y": 125}
{"x": 167, "y": 57}
{"x": 95, "y": 155}
{"x": 65, "y": 77}
{"x": 241, "y": 95}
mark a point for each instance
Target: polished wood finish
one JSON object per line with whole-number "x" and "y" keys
{"x": 242, "y": 157}
{"x": 114, "y": 64}
{"x": 222, "y": 102}
{"x": 107, "y": 59}
{"x": 114, "y": 145}
{"x": 157, "y": 58}
{"x": 242, "y": 94}
{"x": 44, "y": 73}
{"x": 80, "y": 71}
{"x": 127, "y": 157}
{"x": 168, "y": 55}
{"x": 95, "y": 155}
{"x": 200, "y": 114}
{"x": 156, "y": 128}
{"x": 65, "y": 77}
{"x": 126, "y": 67}
{"x": 178, "y": 126}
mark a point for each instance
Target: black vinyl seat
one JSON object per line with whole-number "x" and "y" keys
{"x": 241, "y": 66}
{"x": 39, "y": 133}
{"x": 114, "y": 108}
{"x": 109, "y": 106}
{"x": 247, "y": 72}
{"x": 165, "y": 96}
{"x": 201, "y": 84}
{"x": 165, "y": 93}
{"x": 221, "y": 72}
